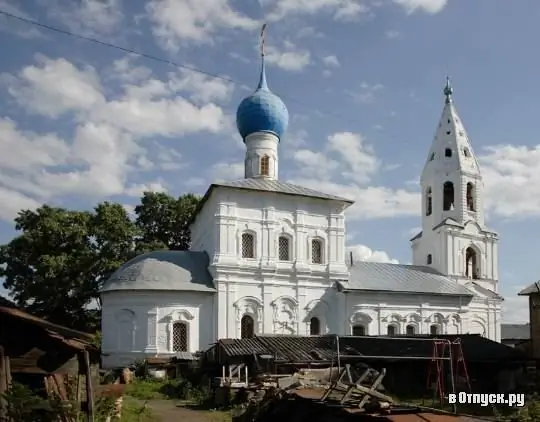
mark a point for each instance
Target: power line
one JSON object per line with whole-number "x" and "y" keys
{"x": 150, "y": 57}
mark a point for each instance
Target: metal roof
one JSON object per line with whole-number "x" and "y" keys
{"x": 163, "y": 270}
{"x": 323, "y": 348}
{"x": 377, "y": 276}
{"x": 277, "y": 186}
{"x": 533, "y": 288}
{"x": 515, "y": 331}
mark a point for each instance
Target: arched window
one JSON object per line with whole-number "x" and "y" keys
{"x": 466, "y": 152}
{"x": 432, "y": 156}
{"x": 358, "y": 330}
{"x": 434, "y": 330}
{"x": 470, "y": 196}
{"x": 284, "y": 248}
{"x": 429, "y": 259}
{"x": 448, "y": 196}
{"x": 447, "y": 152}
{"x": 314, "y": 326}
{"x": 410, "y": 330}
{"x": 316, "y": 251}
{"x": 247, "y": 327}
{"x": 265, "y": 165}
{"x": 180, "y": 336}
{"x": 248, "y": 245}
{"x": 429, "y": 201}
{"x": 471, "y": 264}
{"x": 391, "y": 330}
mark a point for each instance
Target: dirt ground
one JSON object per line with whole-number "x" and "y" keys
{"x": 169, "y": 411}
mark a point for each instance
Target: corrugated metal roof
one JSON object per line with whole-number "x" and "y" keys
{"x": 515, "y": 331}
{"x": 322, "y": 348}
{"x": 533, "y": 288}
{"x": 277, "y": 186}
{"x": 243, "y": 347}
{"x": 380, "y": 276}
{"x": 163, "y": 270}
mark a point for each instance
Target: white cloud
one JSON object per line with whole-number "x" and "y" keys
{"x": 11, "y": 202}
{"x": 367, "y": 93}
{"x": 342, "y": 10}
{"x": 391, "y": 34}
{"x": 428, "y": 6}
{"x": 344, "y": 167}
{"x": 179, "y": 22}
{"x": 515, "y": 309}
{"x": 364, "y": 253}
{"x": 16, "y": 27}
{"x": 107, "y": 143}
{"x": 511, "y": 175}
{"x": 227, "y": 171}
{"x": 331, "y": 61}
{"x": 290, "y": 57}
{"x": 88, "y": 17}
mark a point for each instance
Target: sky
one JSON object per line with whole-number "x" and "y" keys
{"x": 82, "y": 122}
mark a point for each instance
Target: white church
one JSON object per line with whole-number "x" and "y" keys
{"x": 269, "y": 257}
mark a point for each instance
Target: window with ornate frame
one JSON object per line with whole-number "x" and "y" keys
{"x": 180, "y": 342}
{"x": 314, "y": 326}
{"x": 247, "y": 327}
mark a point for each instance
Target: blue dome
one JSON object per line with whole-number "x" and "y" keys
{"x": 262, "y": 111}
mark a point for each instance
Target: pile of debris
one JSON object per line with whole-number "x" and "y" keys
{"x": 351, "y": 394}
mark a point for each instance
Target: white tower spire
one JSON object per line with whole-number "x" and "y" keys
{"x": 451, "y": 180}
{"x": 454, "y": 239}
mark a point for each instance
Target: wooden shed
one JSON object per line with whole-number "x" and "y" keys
{"x": 33, "y": 348}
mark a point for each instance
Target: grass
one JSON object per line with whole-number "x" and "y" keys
{"x": 147, "y": 389}
{"x": 135, "y": 412}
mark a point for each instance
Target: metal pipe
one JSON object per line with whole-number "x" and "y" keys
{"x": 452, "y": 380}
{"x": 338, "y": 356}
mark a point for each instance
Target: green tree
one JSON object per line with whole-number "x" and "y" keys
{"x": 56, "y": 266}
{"x": 164, "y": 219}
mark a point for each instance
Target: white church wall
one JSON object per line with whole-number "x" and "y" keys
{"x": 134, "y": 327}
{"x": 268, "y": 216}
{"x": 375, "y": 311}
{"x": 277, "y": 306}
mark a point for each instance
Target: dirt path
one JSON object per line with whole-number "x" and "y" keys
{"x": 170, "y": 411}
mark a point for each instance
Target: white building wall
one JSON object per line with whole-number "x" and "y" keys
{"x": 377, "y": 310}
{"x": 149, "y": 330}
{"x": 281, "y": 296}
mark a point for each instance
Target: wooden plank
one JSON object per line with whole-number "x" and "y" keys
{"x": 3, "y": 386}
{"x": 89, "y": 390}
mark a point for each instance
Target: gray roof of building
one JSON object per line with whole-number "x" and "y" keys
{"x": 378, "y": 276}
{"x": 515, "y": 331}
{"x": 533, "y": 288}
{"x": 277, "y": 186}
{"x": 163, "y": 270}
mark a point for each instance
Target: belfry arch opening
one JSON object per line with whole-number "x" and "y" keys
{"x": 470, "y": 197}
{"x": 429, "y": 201}
{"x": 471, "y": 264}
{"x": 448, "y": 196}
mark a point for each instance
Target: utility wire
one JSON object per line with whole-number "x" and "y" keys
{"x": 150, "y": 57}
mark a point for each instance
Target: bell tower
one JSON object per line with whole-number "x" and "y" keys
{"x": 454, "y": 238}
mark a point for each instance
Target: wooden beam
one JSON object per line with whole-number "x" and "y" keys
{"x": 3, "y": 386}
{"x": 89, "y": 390}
